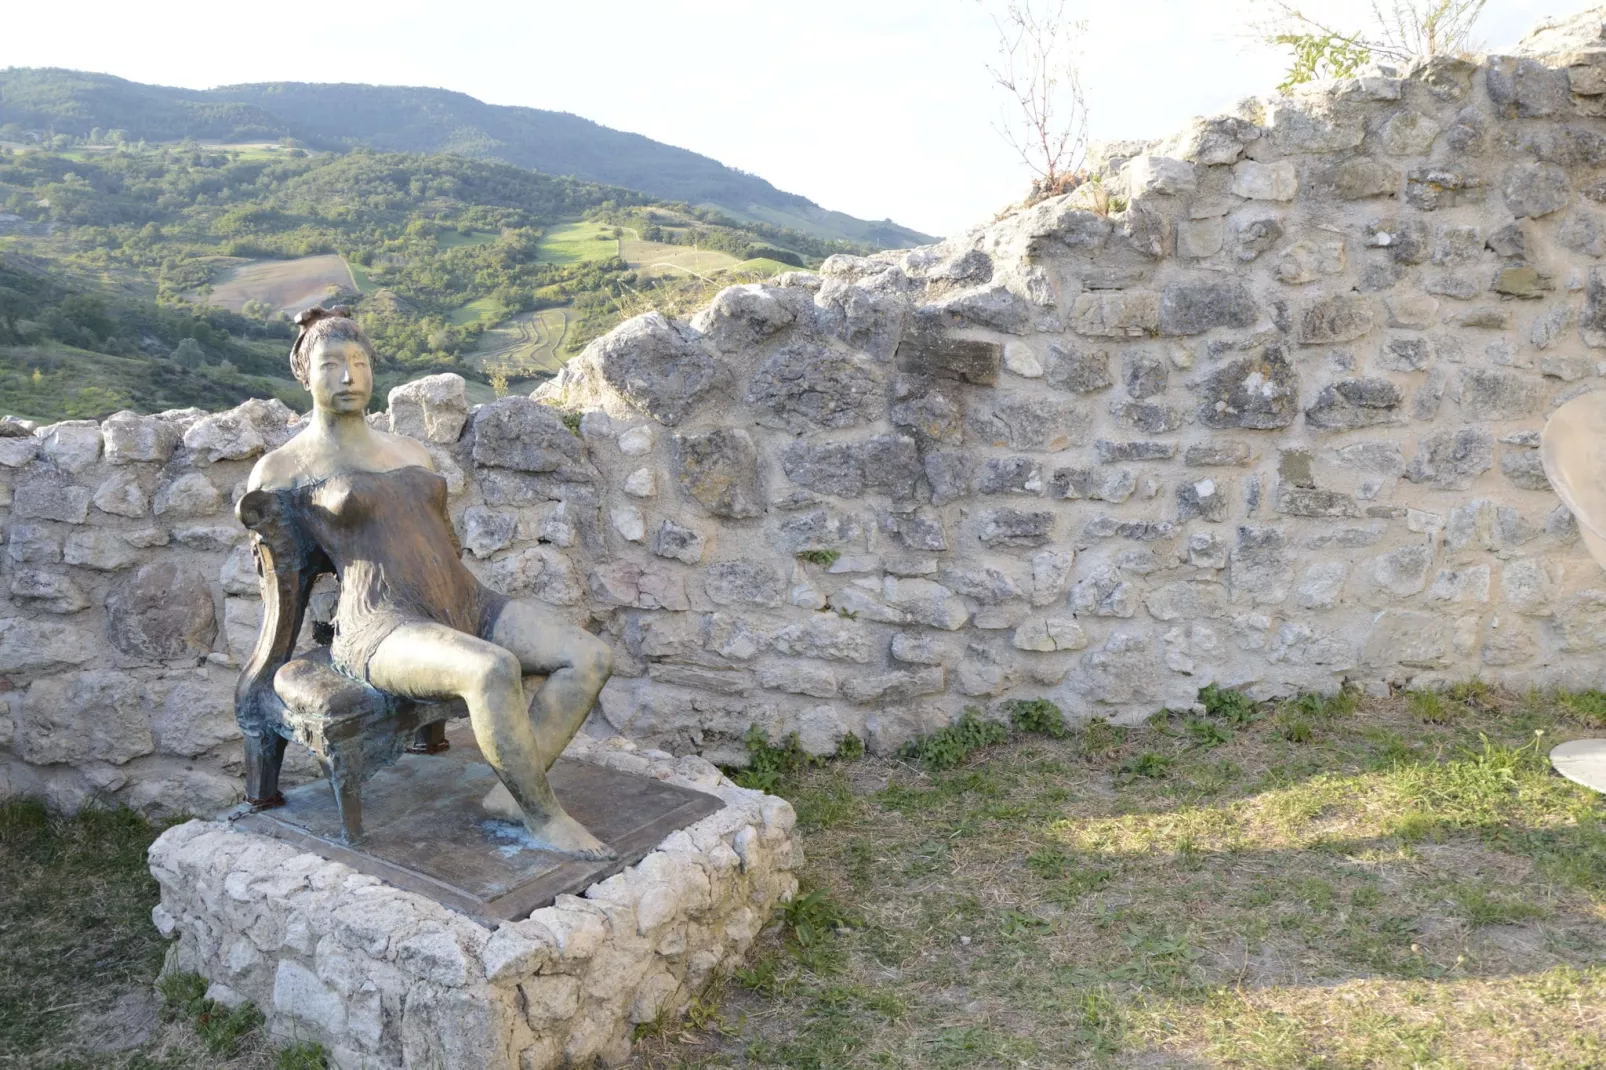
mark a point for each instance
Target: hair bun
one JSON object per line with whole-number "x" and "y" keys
{"x": 307, "y": 317}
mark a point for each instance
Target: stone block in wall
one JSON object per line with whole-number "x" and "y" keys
{"x": 1579, "y": 625}
{"x": 718, "y": 469}
{"x": 245, "y": 431}
{"x": 1451, "y": 460}
{"x": 1030, "y": 421}
{"x": 1116, "y": 313}
{"x": 871, "y": 321}
{"x": 1224, "y": 454}
{"x": 94, "y": 716}
{"x": 32, "y": 544}
{"x": 51, "y": 592}
{"x": 1524, "y": 468}
{"x": 1188, "y": 308}
{"x": 433, "y": 408}
{"x": 1105, "y": 591}
{"x": 71, "y": 445}
{"x": 804, "y": 386}
{"x": 1260, "y": 392}
{"x": 929, "y": 413}
{"x": 1078, "y": 370}
{"x": 657, "y": 366}
{"x": 131, "y": 438}
{"x": 742, "y": 316}
{"x": 1258, "y": 181}
{"x": 794, "y": 678}
{"x": 1433, "y": 188}
{"x": 105, "y": 551}
{"x": 212, "y": 538}
{"x": 1535, "y": 189}
{"x": 1349, "y": 404}
{"x": 1340, "y": 318}
{"x": 1307, "y": 261}
{"x": 675, "y": 541}
{"x": 941, "y": 356}
{"x": 1251, "y": 237}
{"x": 1159, "y": 175}
{"x": 1002, "y": 528}
{"x": 1310, "y": 124}
{"x": 1201, "y": 499}
{"x": 18, "y": 446}
{"x": 1261, "y": 565}
{"x": 40, "y": 646}
{"x": 1095, "y": 484}
{"x": 887, "y": 464}
{"x": 1488, "y": 394}
{"x": 122, "y": 495}
{"x": 526, "y": 436}
{"x": 1320, "y": 584}
{"x": 896, "y": 686}
{"x": 1407, "y": 133}
{"x": 45, "y": 497}
{"x": 190, "y": 494}
{"x": 751, "y": 583}
{"x": 161, "y": 612}
{"x": 1523, "y": 88}
{"x": 825, "y": 636}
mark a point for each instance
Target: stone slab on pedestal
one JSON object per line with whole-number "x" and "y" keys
{"x": 426, "y": 832}
{"x": 387, "y": 977}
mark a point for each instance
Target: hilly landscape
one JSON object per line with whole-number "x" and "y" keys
{"x": 154, "y": 243}
{"x": 421, "y": 120}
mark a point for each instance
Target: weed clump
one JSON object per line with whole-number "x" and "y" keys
{"x": 222, "y": 1029}
{"x": 1037, "y": 715}
{"x": 947, "y": 747}
{"x": 1233, "y": 706}
{"x": 823, "y": 558}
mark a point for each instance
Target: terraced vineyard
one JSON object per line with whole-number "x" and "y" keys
{"x": 528, "y": 346}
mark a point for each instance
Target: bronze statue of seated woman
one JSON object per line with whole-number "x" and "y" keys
{"x": 411, "y": 620}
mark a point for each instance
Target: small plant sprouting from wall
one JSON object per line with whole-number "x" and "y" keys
{"x": 823, "y": 558}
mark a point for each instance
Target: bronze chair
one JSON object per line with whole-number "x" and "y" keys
{"x": 354, "y": 729}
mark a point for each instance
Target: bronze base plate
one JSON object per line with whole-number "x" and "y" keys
{"x": 426, "y": 833}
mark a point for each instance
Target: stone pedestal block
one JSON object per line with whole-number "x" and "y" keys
{"x": 389, "y": 978}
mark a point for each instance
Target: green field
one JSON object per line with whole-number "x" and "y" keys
{"x": 361, "y": 277}
{"x": 454, "y": 239}
{"x": 574, "y": 243}
{"x": 481, "y": 310}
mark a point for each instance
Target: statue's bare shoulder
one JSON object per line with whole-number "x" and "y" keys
{"x": 277, "y": 469}
{"x": 304, "y": 459}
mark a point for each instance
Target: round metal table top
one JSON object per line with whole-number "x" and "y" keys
{"x": 1583, "y": 761}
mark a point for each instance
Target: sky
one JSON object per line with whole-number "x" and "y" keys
{"x": 878, "y": 108}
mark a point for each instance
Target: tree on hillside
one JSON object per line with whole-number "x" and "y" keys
{"x": 1044, "y": 114}
{"x": 189, "y": 353}
{"x": 1397, "y": 31}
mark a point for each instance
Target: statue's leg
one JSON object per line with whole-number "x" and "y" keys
{"x": 576, "y": 664}
{"x": 427, "y": 660}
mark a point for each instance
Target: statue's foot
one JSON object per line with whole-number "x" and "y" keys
{"x": 558, "y": 833}
{"x": 499, "y": 802}
{"x": 563, "y": 835}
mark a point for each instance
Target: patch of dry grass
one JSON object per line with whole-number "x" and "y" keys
{"x": 1318, "y": 883}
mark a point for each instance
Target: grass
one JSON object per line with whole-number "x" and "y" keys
{"x": 79, "y": 958}
{"x": 480, "y": 310}
{"x": 1398, "y": 883}
{"x": 1323, "y": 882}
{"x": 575, "y": 243}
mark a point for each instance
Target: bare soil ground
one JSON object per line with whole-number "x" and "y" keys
{"x": 288, "y": 285}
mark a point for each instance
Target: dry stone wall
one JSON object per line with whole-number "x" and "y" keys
{"x": 1272, "y": 424}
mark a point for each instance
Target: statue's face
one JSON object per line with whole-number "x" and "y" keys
{"x": 340, "y": 376}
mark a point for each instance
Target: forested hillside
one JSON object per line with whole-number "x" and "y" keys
{"x": 416, "y": 120}
{"x": 112, "y": 254}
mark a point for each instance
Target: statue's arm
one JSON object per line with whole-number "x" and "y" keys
{"x": 288, "y": 563}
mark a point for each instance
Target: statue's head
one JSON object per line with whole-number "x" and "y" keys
{"x": 333, "y": 359}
